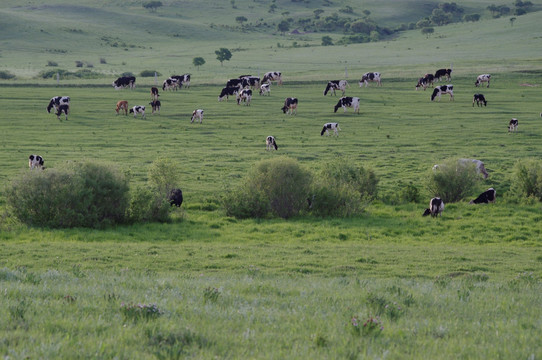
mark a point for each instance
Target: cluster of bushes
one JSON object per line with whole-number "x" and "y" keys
{"x": 149, "y": 73}
{"x": 67, "y": 75}
{"x": 6, "y": 75}
{"x": 89, "y": 194}
{"x": 281, "y": 187}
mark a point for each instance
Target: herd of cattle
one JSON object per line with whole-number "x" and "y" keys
{"x": 242, "y": 88}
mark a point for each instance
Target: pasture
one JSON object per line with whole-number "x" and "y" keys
{"x": 386, "y": 284}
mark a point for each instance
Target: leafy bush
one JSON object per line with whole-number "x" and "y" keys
{"x": 343, "y": 189}
{"x": 149, "y": 73}
{"x": 163, "y": 176}
{"x": 452, "y": 181}
{"x": 83, "y": 194}
{"x": 528, "y": 178}
{"x": 147, "y": 206}
{"x": 66, "y": 75}
{"x": 52, "y": 63}
{"x": 279, "y": 185}
{"x": 6, "y": 75}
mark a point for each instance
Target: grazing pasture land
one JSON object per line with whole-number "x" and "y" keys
{"x": 385, "y": 284}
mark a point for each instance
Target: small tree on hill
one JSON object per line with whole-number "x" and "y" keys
{"x": 152, "y": 5}
{"x": 283, "y": 26}
{"x": 241, "y": 19}
{"x": 222, "y": 55}
{"x": 198, "y": 61}
{"x": 327, "y": 41}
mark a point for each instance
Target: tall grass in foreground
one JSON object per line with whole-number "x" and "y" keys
{"x": 127, "y": 314}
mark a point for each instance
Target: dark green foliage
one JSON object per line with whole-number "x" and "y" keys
{"x": 327, "y": 40}
{"x": 428, "y": 30}
{"x": 222, "y": 55}
{"x": 283, "y": 26}
{"x": 83, "y": 194}
{"x": 6, "y": 75}
{"x": 528, "y": 179}
{"x": 52, "y": 63}
{"x": 279, "y": 185}
{"x": 67, "y": 75}
{"x": 149, "y": 73}
{"x": 152, "y": 5}
{"x": 471, "y": 17}
{"x": 147, "y": 206}
{"x": 198, "y": 61}
{"x": 452, "y": 181}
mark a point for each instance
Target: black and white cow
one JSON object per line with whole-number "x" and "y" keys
{"x": 513, "y": 125}
{"x": 227, "y": 92}
{"x": 443, "y": 89}
{"x": 425, "y": 81}
{"x": 244, "y": 96}
{"x": 175, "y": 197}
{"x": 252, "y": 82}
{"x": 290, "y": 106}
{"x": 156, "y": 105}
{"x": 336, "y": 85}
{"x": 234, "y": 83}
{"x": 63, "y": 109}
{"x": 271, "y": 143}
{"x": 436, "y": 206}
{"x": 483, "y": 78}
{"x": 330, "y": 126}
{"x": 272, "y": 76}
{"x": 479, "y": 99}
{"x": 124, "y": 82}
{"x": 265, "y": 89}
{"x": 197, "y": 114}
{"x": 35, "y": 161}
{"x": 154, "y": 93}
{"x": 55, "y": 102}
{"x": 488, "y": 196}
{"x": 370, "y": 76}
{"x": 138, "y": 109}
{"x": 348, "y": 101}
{"x": 170, "y": 84}
{"x": 182, "y": 80}
{"x": 440, "y": 73}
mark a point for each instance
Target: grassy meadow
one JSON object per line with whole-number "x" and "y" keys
{"x": 386, "y": 284}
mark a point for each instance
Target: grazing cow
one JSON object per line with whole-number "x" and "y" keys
{"x": 182, "y": 80}
{"x": 124, "y": 82}
{"x": 346, "y": 102}
{"x": 336, "y": 85}
{"x": 271, "y": 143}
{"x": 156, "y": 105}
{"x": 265, "y": 89}
{"x": 436, "y": 206}
{"x": 63, "y": 109}
{"x": 443, "y": 89}
{"x": 55, "y": 102}
{"x": 234, "y": 83}
{"x": 245, "y": 96}
{"x": 272, "y": 76}
{"x": 440, "y": 73}
{"x": 154, "y": 93}
{"x": 486, "y": 197}
{"x": 513, "y": 125}
{"x": 478, "y": 166}
{"x": 197, "y": 114}
{"x": 227, "y": 92}
{"x": 330, "y": 126}
{"x": 122, "y": 105}
{"x": 138, "y": 109}
{"x": 175, "y": 197}
{"x": 170, "y": 84}
{"x": 370, "y": 76}
{"x": 425, "y": 81}
{"x": 290, "y": 106}
{"x": 250, "y": 81}
{"x": 479, "y": 99}
{"x": 35, "y": 161}
{"x": 483, "y": 78}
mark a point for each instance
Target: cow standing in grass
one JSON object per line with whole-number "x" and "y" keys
{"x": 330, "y": 126}
{"x": 271, "y": 143}
{"x": 483, "y": 78}
{"x": 290, "y": 106}
{"x": 348, "y": 101}
{"x": 513, "y": 125}
{"x": 197, "y": 114}
{"x": 443, "y": 89}
{"x": 479, "y": 99}
{"x": 488, "y": 196}
{"x": 370, "y": 76}
{"x": 35, "y": 162}
{"x": 436, "y": 206}
{"x": 138, "y": 109}
{"x": 122, "y": 105}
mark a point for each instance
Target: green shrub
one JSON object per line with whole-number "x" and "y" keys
{"x": 279, "y": 185}
{"x": 6, "y": 75}
{"x": 147, "y": 206}
{"x": 528, "y": 179}
{"x": 453, "y": 180}
{"x": 83, "y": 194}
{"x": 362, "y": 180}
{"x": 149, "y": 73}
{"x": 163, "y": 176}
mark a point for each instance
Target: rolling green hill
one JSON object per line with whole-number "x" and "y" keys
{"x": 111, "y": 37}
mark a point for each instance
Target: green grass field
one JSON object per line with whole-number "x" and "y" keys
{"x": 466, "y": 285}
